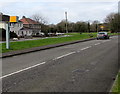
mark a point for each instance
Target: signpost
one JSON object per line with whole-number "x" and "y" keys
{"x": 8, "y": 36}
{"x": 8, "y": 20}
{"x": 5, "y": 18}
{"x": 12, "y": 19}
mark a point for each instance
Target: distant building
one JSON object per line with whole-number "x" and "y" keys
{"x": 16, "y": 27}
{"x": 30, "y": 27}
{"x": 24, "y": 27}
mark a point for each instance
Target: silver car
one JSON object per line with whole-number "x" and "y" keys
{"x": 102, "y": 35}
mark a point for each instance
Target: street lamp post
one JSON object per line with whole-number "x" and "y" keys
{"x": 66, "y": 22}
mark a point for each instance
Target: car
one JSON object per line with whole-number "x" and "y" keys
{"x": 102, "y": 35}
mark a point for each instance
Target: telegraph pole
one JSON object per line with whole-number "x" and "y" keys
{"x": 119, "y": 7}
{"x": 118, "y": 16}
{"x": 66, "y": 22}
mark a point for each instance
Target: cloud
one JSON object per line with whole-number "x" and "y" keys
{"x": 61, "y": 1}
{"x": 54, "y": 9}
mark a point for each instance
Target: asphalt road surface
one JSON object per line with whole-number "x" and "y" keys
{"x": 82, "y": 67}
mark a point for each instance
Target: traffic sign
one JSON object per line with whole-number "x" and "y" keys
{"x": 4, "y": 18}
{"x": 13, "y": 19}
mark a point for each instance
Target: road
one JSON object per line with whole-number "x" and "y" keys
{"x": 82, "y": 67}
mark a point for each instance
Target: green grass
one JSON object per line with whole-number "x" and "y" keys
{"x": 116, "y": 86}
{"x": 42, "y": 42}
{"x": 114, "y": 33}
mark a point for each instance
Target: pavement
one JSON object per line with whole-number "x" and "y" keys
{"x": 81, "y": 67}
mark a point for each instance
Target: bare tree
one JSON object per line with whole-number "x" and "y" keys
{"x": 94, "y": 26}
{"x": 39, "y": 18}
{"x": 113, "y": 21}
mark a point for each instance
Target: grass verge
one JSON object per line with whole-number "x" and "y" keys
{"x": 42, "y": 42}
{"x": 116, "y": 86}
{"x": 20, "y": 45}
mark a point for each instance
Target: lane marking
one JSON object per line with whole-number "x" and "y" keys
{"x": 22, "y": 70}
{"x": 86, "y": 48}
{"x": 64, "y": 55}
{"x": 97, "y": 43}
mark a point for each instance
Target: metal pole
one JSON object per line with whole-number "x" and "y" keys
{"x": 66, "y": 22}
{"x": 118, "y": 16}
{"x": 7, "y": 36}
{"x": 119, "y": 7}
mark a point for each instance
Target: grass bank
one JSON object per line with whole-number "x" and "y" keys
{"x": 42, "y": 42}
{"x": 116, "y": 86}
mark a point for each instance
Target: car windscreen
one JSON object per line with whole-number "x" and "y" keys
{"x": 101, "y": 33}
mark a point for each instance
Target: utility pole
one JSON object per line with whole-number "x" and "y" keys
{"x": 66, "y": 22}
{"x": 119, "y": 7}
{"x": 118, "y": 16}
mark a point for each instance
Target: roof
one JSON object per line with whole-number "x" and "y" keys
{"x": 28, "y": 21}
{"x": 25, "y": 28}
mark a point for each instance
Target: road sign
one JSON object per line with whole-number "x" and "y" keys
{"x": 4, "y": 18}
{"x": 13, "y": 19}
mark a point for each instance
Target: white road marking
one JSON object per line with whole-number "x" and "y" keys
{"x": 64, "y": 55}
{"x": 97, "y": 43}
{"x": 22, "y": 70}
{"x": 86, "y": 48}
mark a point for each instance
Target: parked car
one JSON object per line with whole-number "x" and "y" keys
{"x": 102, "y": 35}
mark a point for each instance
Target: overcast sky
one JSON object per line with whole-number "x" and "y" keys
{"x": 54, "y": 10}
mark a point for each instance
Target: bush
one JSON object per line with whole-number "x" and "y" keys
{"x": 3, "y": 34}
{"x": 13, "y": 35}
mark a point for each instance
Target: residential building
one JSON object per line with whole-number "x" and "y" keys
{"x": 16, "y": 28}
{"x": 30, "y": 27}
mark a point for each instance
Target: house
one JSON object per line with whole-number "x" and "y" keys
{"x": 30, "y": 27}
{"x": 16, "y": 27}
{"x": 24, "y": 27}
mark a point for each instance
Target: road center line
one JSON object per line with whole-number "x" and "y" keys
{"x": 97, "y": 43}
{"x": 86, "y": 48}
{"x": 64, "y": 55}
{"x": 22, "y": 70}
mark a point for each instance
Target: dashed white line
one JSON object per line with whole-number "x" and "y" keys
{"x": 86, "y": 48}
{"x": 64, "y": 55}
{"x": 78, "y": 51}
{"x": 22, "y": 70}
{"x": 97, "y": 43}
